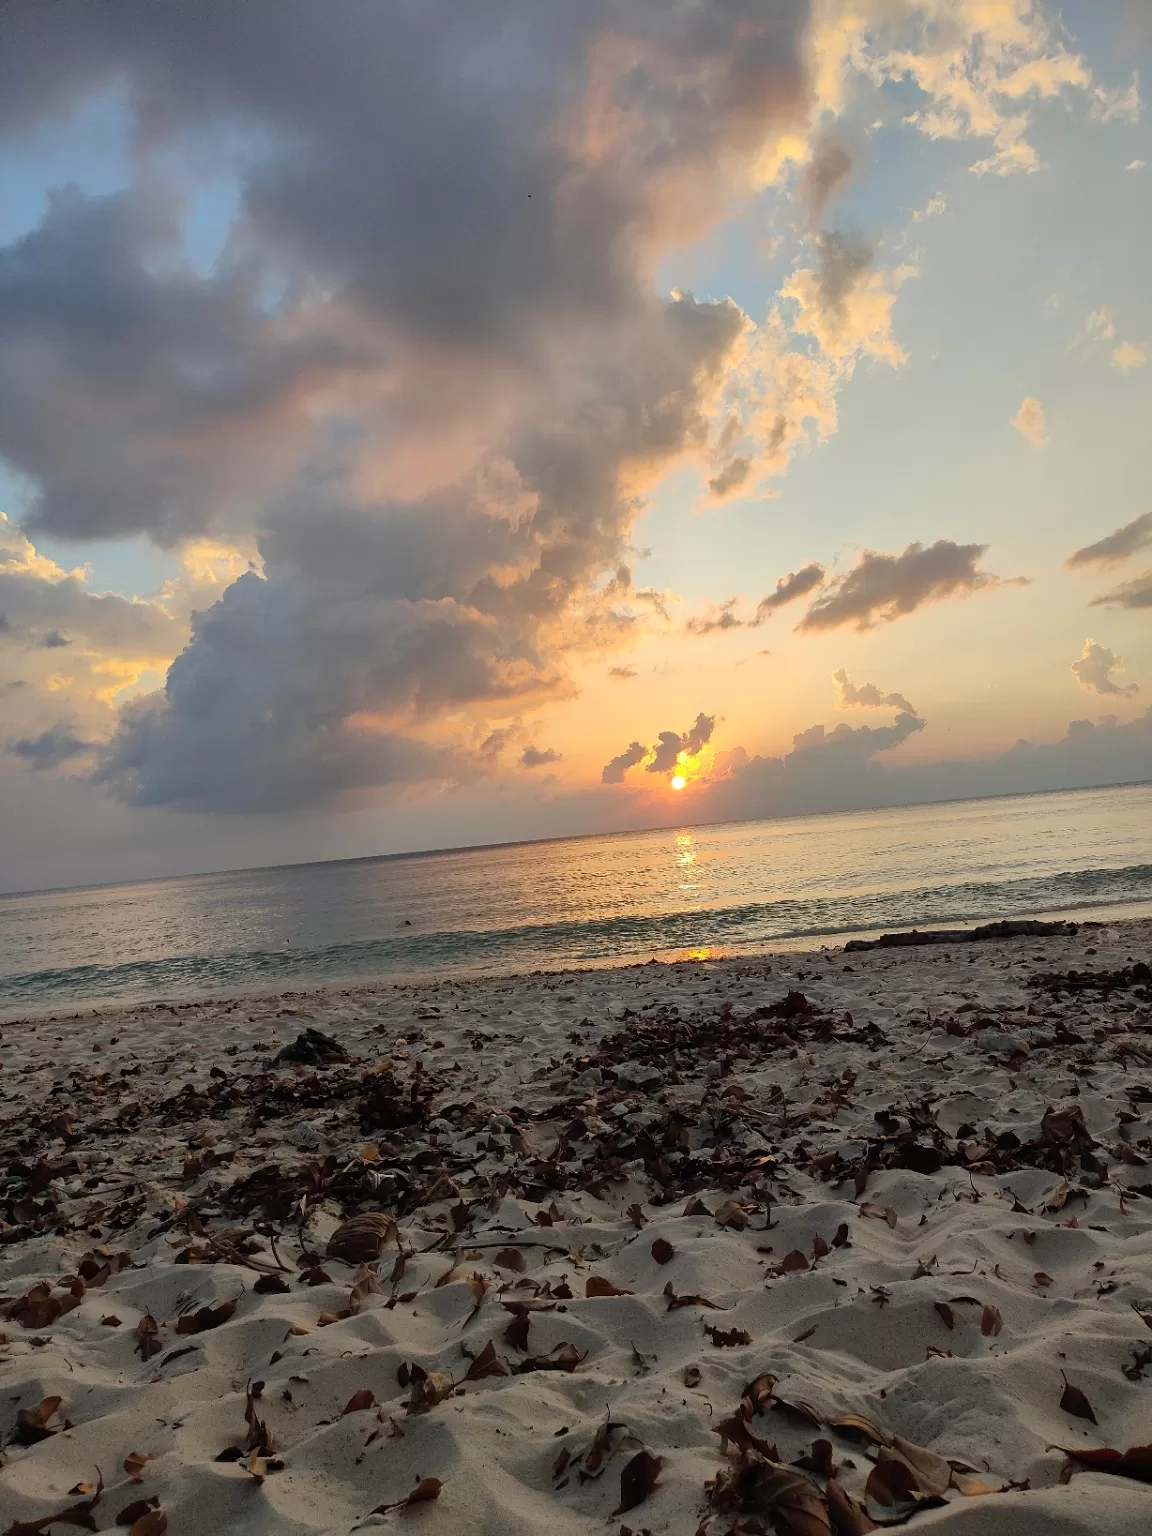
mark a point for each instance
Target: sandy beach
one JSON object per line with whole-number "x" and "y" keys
{"x": 810, "y": 1242}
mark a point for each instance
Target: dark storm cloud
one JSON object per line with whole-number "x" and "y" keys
{"x": 429, "y": 357}
{"x": 1117, "y": 546}
{"x": 885, "y": 587}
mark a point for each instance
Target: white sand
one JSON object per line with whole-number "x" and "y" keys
{"x": 857, "y": 1332}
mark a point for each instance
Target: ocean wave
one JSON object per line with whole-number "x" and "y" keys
{"x": 547, "y": 945}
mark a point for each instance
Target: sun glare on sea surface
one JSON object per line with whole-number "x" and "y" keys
{"x": 679, "y": 781}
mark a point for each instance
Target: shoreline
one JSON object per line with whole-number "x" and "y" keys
{"x": 912, "y": 1185}
{"x": 1106, "y": 913}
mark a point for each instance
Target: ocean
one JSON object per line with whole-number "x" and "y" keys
{"x": 689, "y": 891}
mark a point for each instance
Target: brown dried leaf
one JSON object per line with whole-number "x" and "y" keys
{"x": 727, "y": 1339}
{"x": 794, "y": 1261}
{"x": 32, "y": 1423}
{"x": 675, "y": 1301}
{"x": 662, "y": 1250}
{"x": 136, "y": 1510}
{"x": 598, "y": 1286}
{"x": 991, "y": 1322}
{"x": 1136, "y": 1462}
{"x": 427, "y": 1488}
{"x": 933, "y": 1473}
{"x": 154, "y": 1523}
{"x": 428, "y": 1389}
{"x": 510, "y": 1258}
{"x": 134, "y": 1464}
{"x": 361, "y": 1239}
{"x": 486, "y": 1363}
{"x": 637, "y": 1480}
{"x": 848, "y": 1518}
{"x": 367, "y": 1285}
{"x": 359, "y": 1402}
{"x": 856, "y": 1427}
{"x": 1073, "y": 1401}
{"x": 206, "y": 1317}
{"x": 880, "y": 1212}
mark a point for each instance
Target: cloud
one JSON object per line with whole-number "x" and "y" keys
{"x": 53, "y": 747}
{"x": 614, "y": 771}
{"x": 622, "y": 673}
{"x": 823, "y": 176}
{"x": 867, "y": 695}
{"x": 1117, "y": 546}
{"x": 881, "y": 588}
{"x": 1092, "y": 669}
{"x": 53, "y": 640}
{"x": 845, "y": 770}
{"x": 432, "y": 375}
{"x": 796, "y": 584}
{"x": 1030, "y": 421}
{"x": 664, "y": 755}
{"x": 538, "y": 757}
{"x": 1129, "y": 355}
{"x": 844, "y": 303}
{"x": 1136, "y": 165}
{"x": 667, "y": 752}
{"x": 1136, "y": 593}
{"x": 721, "y": 616}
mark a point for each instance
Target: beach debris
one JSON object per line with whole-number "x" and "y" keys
{"x": 359, "y": 1402}
{"x": 675, "y": 1301}
{"x": 34, "y": 1424}
{"x": 637, "y": 1480}
{"x": 486, "y": 1363}
{"x": 732, "y": 1338}
{"x": 1010, "y": 928}
{"x": 1073, "y": 1401}
{"x": 135, "y": 1511}
{"x": 428, "y": 1387}
{"x": 361, "y": 1239}
{"x": 135, "y": 1463}
{"x": 663, "y": 1251}
{"x": 313, "y": 1048}
{"x": 79, "y": 1514}
{"x": 1135, "y": 1463}
{"x": 206, "y": 1317}
{"x": 597, "y": 1285}
{"x": 426, "y": 1489}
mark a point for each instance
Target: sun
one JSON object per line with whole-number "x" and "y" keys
{"x": 679, "y": 781}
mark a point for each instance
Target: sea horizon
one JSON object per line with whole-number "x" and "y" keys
{"x": 705, "y": 891}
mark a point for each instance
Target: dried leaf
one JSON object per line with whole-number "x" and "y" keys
{"x": 427, "y": 1488}
{"x": 637, "y": 1481}
{"x": 147, "y": 1337}
{"x": 361, "y": 1239}
{"x": 947, "y": 1316}
{"x": 991, "y": 1322}
{"x": 662, "y": 1250}
{"x": 428, "y": 1389}
{"x": 736, "y": 1430}
{"x": 732, "y": 1214}
{"x": 516, "y": 1332}
{"x": 271, "y": 1285}
{"x": 486, "y": 1363}
{"x": 933, "y": 1473}
{"x": 598, "y": 1286}
{"x": 206, "y": 1317}
{"x": 880, "y": 1212}
{"x": 727, "y": 1339}
{"x": 359, "y": 1402}
{"x": 367, "y": 1285}
{"x": 565, "y": 1357}
{"x": 848, "y": 1517}
{"x": 691, "y": 1375}
{"x": 136, "y": 1511}
{"x": 32, "y": 1423}
{"x": 1073, "y": 1401}
{"x": 154, "y": 1523}
{"x": 794, "y": 1261}
{"x": 1136, "y": 1462}
{"x": 675, "y": 1301}
{"x": 134, "y": 1464}
{"x": 856, "y": 1427}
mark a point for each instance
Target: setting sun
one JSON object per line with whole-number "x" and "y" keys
{"x": 679, "y": 781}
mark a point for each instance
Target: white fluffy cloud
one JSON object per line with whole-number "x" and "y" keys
{"x": 1093, "y": 670}
{"x": 1031, "y": 422}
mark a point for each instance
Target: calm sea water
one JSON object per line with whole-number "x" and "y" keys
{"x": 699, "y": 890}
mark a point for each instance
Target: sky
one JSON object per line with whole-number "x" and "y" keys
{"x": 425, "y": 426}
